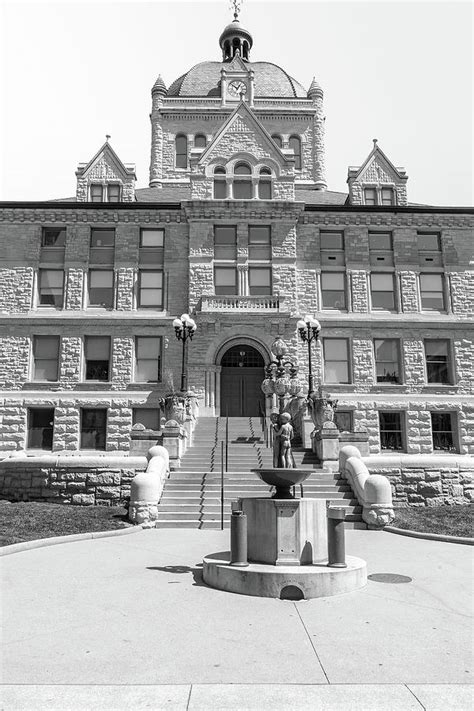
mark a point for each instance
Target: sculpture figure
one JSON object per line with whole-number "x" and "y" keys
{"x": 283, "y": 434}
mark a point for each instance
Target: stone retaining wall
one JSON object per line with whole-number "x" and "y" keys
{"x": 432, "y": 483}
{"x": 69, "y": 482}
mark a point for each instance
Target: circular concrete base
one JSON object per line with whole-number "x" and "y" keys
{"x": 286, "y": 582}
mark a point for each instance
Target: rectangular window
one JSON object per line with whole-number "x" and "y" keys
{"x": 437, "y": 361}
{"x": 391, "y": 433}
{"x": 97, "y": 357}
{"x": 432, "y": 293}
{"x": 150, "y": 289}
{"x": 113, "y": 193}
{"x": 53, "y": 244}
{"x": 93, "y": 428}
{"x": 220, "y": 189}
{"x": 387, "y": 360}
{"x": 260, "y": 281}
{"x": 442, "y": 430}
{"x": 225, "y": 280}
{"x": 151, "y": 247}
{"x": 429, "y": 242}
{"x": 148, "y": 417}
{"x": 343, "y": 420}
{"x": 259, "y": 243}
{"x": 225, "y": 242}
{"x": 387, "y": 196}
{"x": 264, "y": 189}
{"x": 380, "y": 242}
{"x": 333, "y": 290}
{"x": 370, "y": 196}
{"x": 147, "y": 359}
{"x": 46, "y": 358}
{"x": 332, "y": 240}
{"x": 102, "y": 246}
{"x": 53, "y": 237}
{"x": 51, "y": 287}
{"x": 336, "y": 360}
{"x": 97, "y": 193}
{"x": 101, "y": 288}
{"x": 40, "y": 428}
{"x": 382, "y": 291}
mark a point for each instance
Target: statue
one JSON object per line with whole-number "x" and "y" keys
{"x": 283, "y": 434}
{"x": 322, "y": 409}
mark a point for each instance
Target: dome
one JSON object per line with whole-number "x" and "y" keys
{"x": 271, "y": 81}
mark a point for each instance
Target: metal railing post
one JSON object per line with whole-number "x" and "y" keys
{"x": 227, "y": 444}
{"x": 222, "y": 485}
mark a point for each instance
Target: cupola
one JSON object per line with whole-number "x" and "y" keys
{"x": 235, "y": 40}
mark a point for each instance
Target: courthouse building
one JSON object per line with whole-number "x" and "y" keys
{"x": 239, "y": 228}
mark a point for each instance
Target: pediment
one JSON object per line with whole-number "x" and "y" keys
{"x": 236, "y": 65}
{"x": 377, "y": 168}
{"x": 243, "y": 133}
{"x": 106, "y": 165}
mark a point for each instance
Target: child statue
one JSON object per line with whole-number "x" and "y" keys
{"x": 282, "y": 454}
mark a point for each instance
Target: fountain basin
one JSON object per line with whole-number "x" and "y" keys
{"x": 283, "y": 479}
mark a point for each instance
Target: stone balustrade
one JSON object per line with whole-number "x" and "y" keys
{"x": 242, "y": 303}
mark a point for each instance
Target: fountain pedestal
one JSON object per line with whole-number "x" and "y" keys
{"x": 285, "y": 531}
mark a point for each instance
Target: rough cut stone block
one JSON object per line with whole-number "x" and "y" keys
{"x": 83, "y": 499}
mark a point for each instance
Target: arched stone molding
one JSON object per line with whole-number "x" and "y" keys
{"x": 256, "y": 164}
{"x": 212, "y": 368}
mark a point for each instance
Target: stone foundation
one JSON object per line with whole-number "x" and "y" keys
{"x": 69, "y": 480}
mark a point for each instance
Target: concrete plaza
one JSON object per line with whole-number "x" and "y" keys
{"x": 126, "y": 622}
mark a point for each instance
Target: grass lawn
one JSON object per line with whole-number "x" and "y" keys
{"x": 28, "y": 521}
{"x": 444, "y": 520}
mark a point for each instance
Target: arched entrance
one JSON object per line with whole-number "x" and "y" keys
{"x": 242, "y": 372}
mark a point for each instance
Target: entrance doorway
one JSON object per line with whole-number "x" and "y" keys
{"x": 241, "y": 377}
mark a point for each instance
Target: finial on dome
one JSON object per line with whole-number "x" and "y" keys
{"x": 159, "y": 87}
{"x": 315, "y": 90}
{"x": 236, "y": 5}
{"x": 235, "y": 37}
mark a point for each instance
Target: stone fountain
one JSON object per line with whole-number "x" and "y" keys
{"x": 285, "y": 538}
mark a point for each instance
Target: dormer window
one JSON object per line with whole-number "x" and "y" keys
{"x": 379, "y": 196}
{"x": 265, "y": 184}
{"x": 242, "y": 182}
{"x": 97, "y": 193}
{"x": 113, "y": 192}
{"x": 295, "y": 144}
{"x": 220, "y": 184}
{"x": 181, "y": 144}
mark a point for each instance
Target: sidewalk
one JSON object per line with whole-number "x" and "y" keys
{"x": 126, "y": 623}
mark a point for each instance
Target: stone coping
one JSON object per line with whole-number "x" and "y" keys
{"x": 418, "y": 461}
{"x": 56, "y": 540}
{"x": 74, "y": 461}
{"x": 463, "y": 540}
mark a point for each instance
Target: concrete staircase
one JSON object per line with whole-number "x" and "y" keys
{"x": 192, "y": 495}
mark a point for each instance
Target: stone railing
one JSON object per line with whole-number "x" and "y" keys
{"x": 242, "y": 303}
{"x": 373, "y": 491}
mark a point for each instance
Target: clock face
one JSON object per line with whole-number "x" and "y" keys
{"x": 237, "y": 88}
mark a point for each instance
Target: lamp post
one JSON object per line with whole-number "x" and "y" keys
{"x": 184, "y": 328}
{"x": 281, "y": 376}
{"x": 309, "y": 330}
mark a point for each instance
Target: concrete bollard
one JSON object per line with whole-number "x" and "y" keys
{"x": 238, "y": 537}
{"x": 336, "y": 543}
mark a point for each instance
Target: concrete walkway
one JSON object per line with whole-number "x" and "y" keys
{"x": 126, "y": 623}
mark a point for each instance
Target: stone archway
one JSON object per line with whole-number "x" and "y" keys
{"x": 242, "y": 372}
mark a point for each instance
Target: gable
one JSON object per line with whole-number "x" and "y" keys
{"x": 377, "y": 171}
{"x": 243, "y": 133}
{"x": 237, "y": 65}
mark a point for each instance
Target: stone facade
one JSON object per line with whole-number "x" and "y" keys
{"x": 424, "y": 311}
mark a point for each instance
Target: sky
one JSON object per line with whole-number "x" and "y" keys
{"x": 399, "y": 71}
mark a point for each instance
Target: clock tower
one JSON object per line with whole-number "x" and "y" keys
{"x": 237, "y": 78}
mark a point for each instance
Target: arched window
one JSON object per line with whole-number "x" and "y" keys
{"x": 242, "y": 182}
{"x": 295, "y": 144}
{"x": 246, "y": 49}
{"x": 181, "y": 144}
{"x": 265, "y": 184}
{"x": 220, "y": 185}
{"x": 278, "y": 140}
{"x": 200, "y": 141}
{"x": 227, "y": 49}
